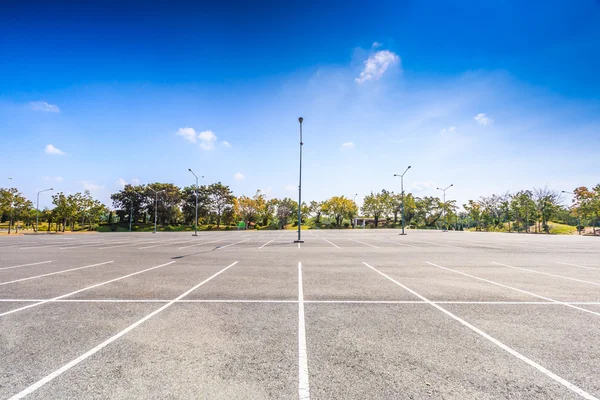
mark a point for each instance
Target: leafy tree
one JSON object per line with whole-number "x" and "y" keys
{"x": 374, "y": 205}
{"x": 339, "y": 207}
{"x": 286, "y": 209}
{"x": 316, "y": 209}
{"x": 428, "y": 210}
{"x": 220, "y": 200}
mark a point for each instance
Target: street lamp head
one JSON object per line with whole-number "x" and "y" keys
{"x": 189, "y": 169}
{"x": 452, "y": 184}
{"x": 408, "y": 167}
{"x": 438, "y": 188}
{"x": 300, "y": 119}
{"x": 51, "y": 189}
{"x": 396, "y": 175}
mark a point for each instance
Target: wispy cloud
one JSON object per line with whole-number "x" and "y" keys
{"x": 122, "y": 182}
{"x": 290, "y": 188}
{"x": 483, "y": 119}
{"x": 239, "y": 176}
{"x": 377, "y": 64}
{"x": 51, "y": 149}
{"x": 348, "y": 145}
{"x": 421, "y": 186}
{"x": 87, "y": 185}
{"x": 448, "y": 130}
{"x": 225, "y": 143}
{"x": 44, "y": 106}
{"x": 207, "y": 139}
{"x": 376, "y": 45}
{"x": 188, "y": 134}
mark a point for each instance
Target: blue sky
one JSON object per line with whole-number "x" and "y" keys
{"x": 491, "y": 96}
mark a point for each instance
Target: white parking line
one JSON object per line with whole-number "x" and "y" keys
{"x": 232, "y": 244}
{"x": 546, "y": 273}
{"x": 334, "y": 245}
{"x": 303, "y": 386}
{"x": 84, "y": 289}
{"x": 165, "y": 244}
{"x": 401, "y": 244}
{"x": 54, "y": 273}
{"x": 102, "y": 345}
{"x": 131, "y": 244}
{"x": 358, "y": 241}
{"x": 265, "y": 244}
{"x": 504, "y": 347}
{"x": 580, "y": 266}
{"x": 567, "y": 304}
{"x": 200, "y": 244}
{"x": 26, "y": 265}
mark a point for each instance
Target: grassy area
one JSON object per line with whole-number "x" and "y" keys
{"x": 561, "y": 229}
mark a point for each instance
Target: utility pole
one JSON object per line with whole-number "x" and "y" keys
{"x": 402, "y": 192}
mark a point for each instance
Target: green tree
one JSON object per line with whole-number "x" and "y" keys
{"x": 220, "y": 200}
{"x": 374, "y": 206}
{"x": 338, "y": 208}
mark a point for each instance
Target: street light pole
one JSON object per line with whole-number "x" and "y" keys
{"x": 37, "y": 208}
{"x": 130, "y": 213}
{"x": 578, "y": 213}
{"x": 300, "y": 188}
{"x": 402, "y": 192}
{"x": 155, "y": 205}
{"x": 444, "y": 209}
{"x": 196, "y": 193}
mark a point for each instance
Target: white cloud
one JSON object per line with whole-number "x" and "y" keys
{"x": 376, "y": 45}
{"x": 377, "y": 64}
{"x": 87, "y": 185}
{"x": 449, "y": 130}
{"x": 122, "y": 182}
{"x": 225, "y": 143}
{"x": 188, "y": 134}
{"x": 207, "y": 140}
{"x": 43, "y": 106}
{"x": 421, "y": 186}
{"x": 483, "y": 119}
{"x": 290, "y": 188}
{"x": 50, "y": 149}
{"x": 54, "y": 178}
{"x": 348, "y": 145}
{"x": 239, "y": 176}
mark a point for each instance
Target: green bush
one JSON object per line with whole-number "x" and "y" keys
{"x": 257, "y": 227}
{"x": 209, "y": 227}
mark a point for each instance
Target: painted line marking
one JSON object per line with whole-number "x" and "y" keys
{"x": 200, "y": 244}
{"x": 231, "y": 244}
{"x": 567, "y": 304}
{"x": 358, "y": 241}
{"x": 102, "y": 345}
{"x": 546, "y": 273}
{"x": 504, "y": 347}
{"x": 334, "y": 245}
{"x": 164, "y": 244}
{"x": 84, "y": 289}
{"x": 265, "y": 244}
{"x": 296, "y": 301}
{"x": 580, "y": 266}
{"x": 26, "y": 265}
{"x": 401, "y": 244}
{"x": 54, "y": 273}
{"x": 303, "y": 386}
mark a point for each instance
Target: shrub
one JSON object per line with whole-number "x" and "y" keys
{"x": 346, "y": 225}
{"x": 257, "y": 227}
{"x": 209, "y": 227}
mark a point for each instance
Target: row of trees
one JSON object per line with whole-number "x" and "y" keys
{"x": 69, "y": 210}
{"x": 524, "y": 210}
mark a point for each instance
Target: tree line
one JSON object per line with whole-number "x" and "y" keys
{"x": 79, "y": 209}
{"x": 522, "y": 211}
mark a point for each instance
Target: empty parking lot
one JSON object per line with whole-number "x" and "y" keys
{"x": 346, "y": 315}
